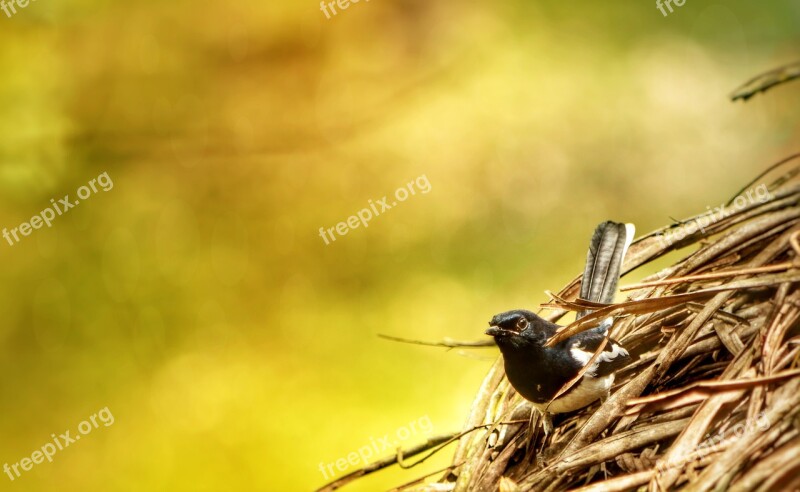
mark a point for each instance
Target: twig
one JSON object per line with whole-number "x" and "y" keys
{"x": 447, "y": 343}
{"x": 422, "y": 479}
{"x": 761, "y": 175}
{"x": 437, "y": 443}
{"x": 766, "y": 80}
{"x": 711, "y": 276}
{"x": 386, "y": 462}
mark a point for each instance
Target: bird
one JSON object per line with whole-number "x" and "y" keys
{"x": 538, "y": 372}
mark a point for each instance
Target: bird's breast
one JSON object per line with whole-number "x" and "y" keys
{"x": 586, "y": 392}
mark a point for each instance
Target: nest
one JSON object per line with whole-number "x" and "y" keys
{"x": 713, "y": 401}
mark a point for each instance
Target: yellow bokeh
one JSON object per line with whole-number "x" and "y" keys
{"x": 196, "y": 299}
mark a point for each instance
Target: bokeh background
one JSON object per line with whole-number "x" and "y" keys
{"x": 235, "y": 349}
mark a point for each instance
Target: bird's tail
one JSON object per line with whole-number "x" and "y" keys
{"x": 603, "y": 262}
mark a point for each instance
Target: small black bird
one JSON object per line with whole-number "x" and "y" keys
{"x": 538, "y": 372}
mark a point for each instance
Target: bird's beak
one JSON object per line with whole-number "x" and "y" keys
{"x": 496, "y": 331}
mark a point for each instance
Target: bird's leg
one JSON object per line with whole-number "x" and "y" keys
{"x": 547, "y": 419}
{"x": 547, "y": 423}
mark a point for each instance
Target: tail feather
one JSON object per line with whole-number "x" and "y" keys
{"x": 603, "y": 262}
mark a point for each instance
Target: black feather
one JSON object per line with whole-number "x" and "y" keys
{"x": 613, "y": 356}
{"x": 603, "y": 263}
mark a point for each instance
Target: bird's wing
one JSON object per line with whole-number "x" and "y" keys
{"x": 603, "y": 262}
{"x": 613, "y": 357}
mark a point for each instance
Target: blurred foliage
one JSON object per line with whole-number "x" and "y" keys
{"x": 196, "y": 300}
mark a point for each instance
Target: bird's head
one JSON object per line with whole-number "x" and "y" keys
{"x": 518, "y": 328}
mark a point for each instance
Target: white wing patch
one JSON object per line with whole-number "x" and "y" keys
{"x": 605, "y": 357}
{"x": 606, "y": 324}
{"x": 630, "y": 232}
{"x": 581, "y": 355}
{"x": 584, "y": 356}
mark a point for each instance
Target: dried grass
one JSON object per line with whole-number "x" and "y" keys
{"x": 713, "y": 402}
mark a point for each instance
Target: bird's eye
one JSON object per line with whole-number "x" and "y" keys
{"x": 522, "y": 323}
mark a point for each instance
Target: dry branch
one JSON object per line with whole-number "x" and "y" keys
{"x": 713, "y": 401}
{"x": 717, "y": 335}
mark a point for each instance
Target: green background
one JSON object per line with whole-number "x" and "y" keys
{"x": 196, "y": 300}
